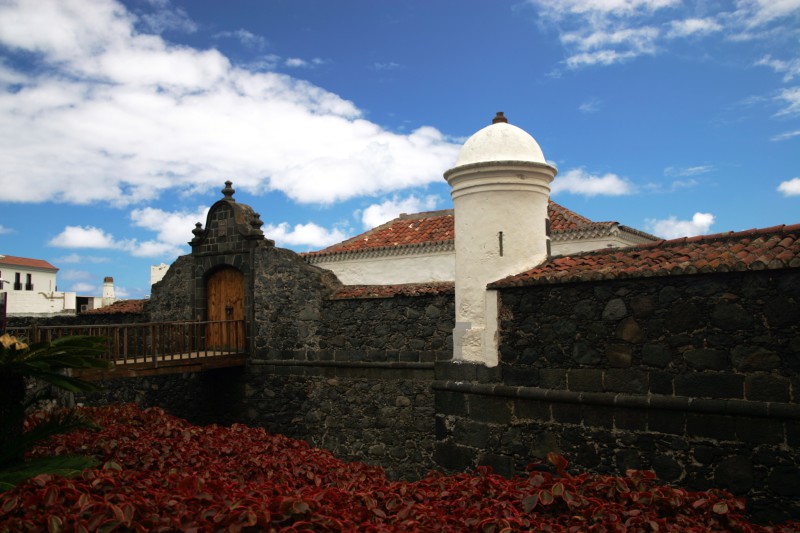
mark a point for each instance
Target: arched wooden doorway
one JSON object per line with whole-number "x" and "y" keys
{"x": 225, "y": 293}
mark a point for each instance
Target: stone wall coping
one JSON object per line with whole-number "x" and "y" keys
{"x": 394, "y": 365}
{"x": 651, "y": 401}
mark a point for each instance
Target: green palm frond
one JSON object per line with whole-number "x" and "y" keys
{"x": 62, "y": 421}
{"x": 45, "y": 361}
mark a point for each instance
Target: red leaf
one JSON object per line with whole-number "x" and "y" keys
{"x": 54, "y": 524}
{"x": 530, "y": 503}
{"x": 720, "y": 508}
{"x": 50, "y": 495}
{"x": 558, "y": 461}
{"x": 111, "y": 465}
{"x": 9, "y": 504}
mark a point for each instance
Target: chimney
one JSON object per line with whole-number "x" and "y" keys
{"x": 108, "y": 291}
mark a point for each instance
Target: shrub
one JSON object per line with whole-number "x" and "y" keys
{"x": 160, "y": 473}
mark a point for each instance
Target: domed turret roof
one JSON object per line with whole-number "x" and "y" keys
{"x": 500, "y": 142}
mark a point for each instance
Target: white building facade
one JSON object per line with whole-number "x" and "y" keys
{"x": 31, "y": 290}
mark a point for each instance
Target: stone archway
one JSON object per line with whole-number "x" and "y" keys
{"x": 225, "y": 301}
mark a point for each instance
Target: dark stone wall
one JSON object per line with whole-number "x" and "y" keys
{"x": 416, "y": 327}
{"x": 378, "y": 413}
{"x": 287, "y": 303}
{"x": 350, "y": 375}
{"x": 731, "y": 335}
{"x": 171, "y": 298}
{"x": 695, "y": 377}
{"x": 14, "y": 322}
{"x": 209, "y": 397}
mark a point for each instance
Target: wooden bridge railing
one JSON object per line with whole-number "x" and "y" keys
{"x": 153, "y": 341}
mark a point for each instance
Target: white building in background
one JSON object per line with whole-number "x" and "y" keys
{"x": 422, "y": 247}
{"x": 30, "y": 286}
{"x": 31, "y": 289}
{"x": 157, "y": 273}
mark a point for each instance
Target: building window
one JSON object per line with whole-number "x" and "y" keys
{"x": 28, "y": 282}
{"x": 17, "y": 281}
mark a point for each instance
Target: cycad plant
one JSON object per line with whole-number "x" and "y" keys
{"x": 43, "y": 361}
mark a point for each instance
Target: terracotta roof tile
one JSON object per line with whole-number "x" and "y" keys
{"x": 757, "y": 249}
{"x": 439, "y": 227}
{"x": 419, "y": 228}
{"x": 119, "y": 307}
{"x": 390, "y": 291}
{"x": 25, "y": 262}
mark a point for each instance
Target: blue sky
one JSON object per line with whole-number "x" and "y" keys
{"x": 120, "y": 121}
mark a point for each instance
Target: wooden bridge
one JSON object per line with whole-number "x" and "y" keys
{"x": 141, "y": 349}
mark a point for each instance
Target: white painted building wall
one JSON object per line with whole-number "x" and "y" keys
{"x": 157, "y": 273}
{"x": 42, "y": 280}
{"x": 427, "y": 267}
{"x": 40, "y": 303}
{"x": 41, "y": 300}
{"x": 394, "y": 269}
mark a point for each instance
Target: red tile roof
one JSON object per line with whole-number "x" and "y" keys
{"x": 25, "y": 262}
{"x": 119, "y": 307}
{"x": 438, "y": 227}
{"x": 390, "y": 291}
{"x": 756, "y": 249}
{"x": 562, "y": 219}
{"x": 415, "y": 229}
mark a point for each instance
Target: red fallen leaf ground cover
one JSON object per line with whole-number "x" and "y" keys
{"x": 160, "y": 473}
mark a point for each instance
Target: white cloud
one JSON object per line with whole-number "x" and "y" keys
{"x": 121, "y": 292}
{"x": 688, "y": 171}
{"x": 390, "y": 65}
{"x": 108, "y": 113}
{"x": 790, "y": 68}
{"x": 84, "y": 237}
{"x": 601, "y": 57}
{"x": 96, "y": 238}
{"x": 167, "y": 18}
{"x": 765, "y": 11}
{"x": 683, "y": 184}
{"x": 246, "y": 38}
{"x": 564, "y": 8}
{"x": 296, "y": 62}
{"x": 85, "y": 288}
{"x": 693, "y": 26}
{"x": 74, "y": 275}
{"x": 672, "y": 228}
{"x": 308, "y": 235}
{"x": 787, "y": 135}
{"x": 377, "y": 214}
{"x": 171, "y": 228}
{"x": 4, "y": 230}
{"x": 791, "y": 98}
{"x": 590, "y": 106}
{"x": 77, "y": 258}
{"x": 154, "y": 249}
{"x": 790, "y": 187}
{"x": 578, "y": 181}
{"x": 606, "y": 32}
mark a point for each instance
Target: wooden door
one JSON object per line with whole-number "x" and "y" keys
{"x": 225, "y": 291}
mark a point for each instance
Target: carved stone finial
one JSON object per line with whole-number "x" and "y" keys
{"x": 198, "y": 230}
{"x": 228, "y": 190}
{"x": 256, "y": 222}
{"x": 499, "y": 117}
